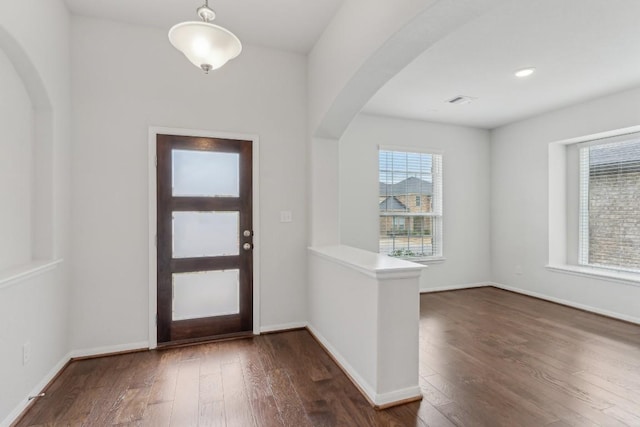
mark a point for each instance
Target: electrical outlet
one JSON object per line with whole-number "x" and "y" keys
{"x": 26, "y": 353}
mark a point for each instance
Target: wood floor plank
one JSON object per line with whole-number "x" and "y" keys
{"x": 486, "y": 406}
{"x": 83, "y": 405}
{"x": 61, "y": 401}
{"x": 306, "y": 353}
{"x": 157, "y": 415}
{"x": 315, "y": 403}
{"x": 210, "y": 359}
{"x": 263, "y": 405}
{"x": 571, "y": 400}
{"x": 487, "y": 358}
{"x": 108, "y": 403}
{"x": 265, "y": 412}
{"x": 287, "y": 400}
{"x": 236, "y": 402}
{"x": 212, "y": 414}
{"x": 211, "y": 388}
{"x": 132, "y": 406}
{"x": 432, "y": 416}
{"x": 629, "y": 418}
{"x": 229, "y": 351}
{"x": 410, "y": 415}
{"x": 617, "y": 394}
{"x": 553, "y": 378}
{"x": 211, "y": 400}
{"x": 475, "y": 372}
{"x": 145, "y": 370}
{"x": 186, "y": 406}
{"x": 163, "y": 388}
{"x": 460, "y": 417}
{"x": 432, "y": 395}
{"x": 254, "y": 375}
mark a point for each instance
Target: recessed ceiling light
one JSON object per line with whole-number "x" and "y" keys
{"x": 525, "y": 72}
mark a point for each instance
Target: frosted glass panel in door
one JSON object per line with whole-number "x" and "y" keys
{"x": 205, "y": 294}
{"x": 204, "y": 234}
{"x": 205, "y": 173}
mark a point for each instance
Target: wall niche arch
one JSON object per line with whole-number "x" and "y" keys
{"x": 26, "y": 164}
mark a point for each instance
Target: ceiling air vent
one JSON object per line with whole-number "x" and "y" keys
{"x": 461, "y": 100}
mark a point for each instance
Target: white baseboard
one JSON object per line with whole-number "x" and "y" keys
{"x": 394, "y": 397}
{"x": 99, "y": 351}
{"x": 283, "y": 327}
{"x": 455, "y": 287}
{"x": 17, "y": 411}
{"x": 573, "y": 304}
{"x": 363, "y": 385}
{"x": 376, "y": 399}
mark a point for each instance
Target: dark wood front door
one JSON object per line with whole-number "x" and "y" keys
{"x": 205, "y": 238}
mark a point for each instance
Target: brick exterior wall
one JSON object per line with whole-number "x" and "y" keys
{"x": 614, "y": 219}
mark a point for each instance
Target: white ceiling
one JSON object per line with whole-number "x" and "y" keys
{"x": 292, "y": 25}
{"x": 581, "y": 48}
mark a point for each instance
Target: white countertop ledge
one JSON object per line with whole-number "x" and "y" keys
{"x": 369, "y": 263}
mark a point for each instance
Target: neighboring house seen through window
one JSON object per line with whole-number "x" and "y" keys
{"x": 609, "y": 220}
{"x": 410, "y": 204}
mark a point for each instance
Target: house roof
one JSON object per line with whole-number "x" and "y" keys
{"x": 410, "y": 185}
{"x": 391, "y": 203}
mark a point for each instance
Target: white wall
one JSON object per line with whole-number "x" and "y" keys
{"x": 519, "y": 219}
{"x": 466, "y": 192}
{"x": 323, "y": 192}
{"x": 357, "y": 30}
{"x": 34, "y": 37}
{"x": 16, "y": 145}
{"x": 127, "y": 78}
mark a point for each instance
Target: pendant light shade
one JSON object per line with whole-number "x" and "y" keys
{"x": 206, "y": 45}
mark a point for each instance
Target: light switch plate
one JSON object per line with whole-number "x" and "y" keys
{"x": 286, "y": 216}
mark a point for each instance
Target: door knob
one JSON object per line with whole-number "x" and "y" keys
{"x": 247, "y": 246}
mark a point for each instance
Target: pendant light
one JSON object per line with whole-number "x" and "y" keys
{"x": 206, "y": 45}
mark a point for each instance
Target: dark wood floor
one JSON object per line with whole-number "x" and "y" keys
{"x": 487, "y": 358}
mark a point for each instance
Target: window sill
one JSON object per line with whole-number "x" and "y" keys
{"x": 18, "y": 274}
{"x": 424, "y": 261}
{"x": 626, "y": 278}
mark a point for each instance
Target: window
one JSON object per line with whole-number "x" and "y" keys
{"x": 410, "y": 204}
{"x": 609, "y": 222}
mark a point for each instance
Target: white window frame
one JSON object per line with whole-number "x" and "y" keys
{"x": 583, "y": 219}
{"x": 559, "y": 211}
{"x": 438, "y": 208}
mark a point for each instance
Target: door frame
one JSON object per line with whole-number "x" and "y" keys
{"x": 153, "y": 272}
